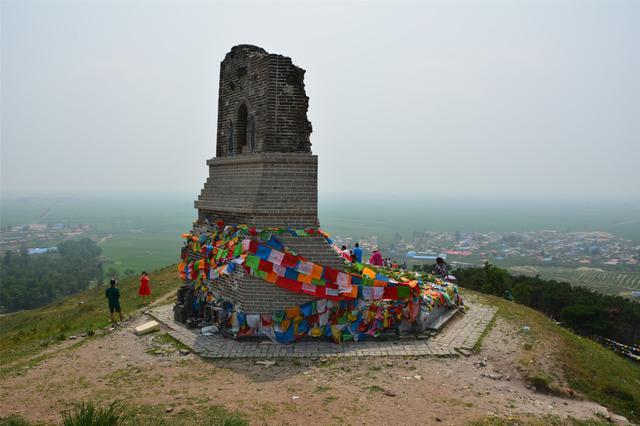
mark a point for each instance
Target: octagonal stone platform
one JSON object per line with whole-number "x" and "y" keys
{"x": 459, "y": 335}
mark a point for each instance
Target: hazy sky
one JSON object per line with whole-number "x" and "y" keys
{"x": 421, "y": 98}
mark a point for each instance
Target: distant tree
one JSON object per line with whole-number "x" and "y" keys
{"x": 522, "y": 293}
{"x": 31, "y": 281}
{"x": 583, "y": 310}
{"x": 496, "y": 280}
{"x": 589, "y": 319}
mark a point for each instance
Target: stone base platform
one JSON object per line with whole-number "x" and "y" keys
{"x": 459, "y": 335}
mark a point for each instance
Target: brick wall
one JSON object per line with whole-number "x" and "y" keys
{"x": 265, "y": 189}
{"x": 255, "y": 295}
{"x": 272, "y": 90}
{"x": 275, "y": 182}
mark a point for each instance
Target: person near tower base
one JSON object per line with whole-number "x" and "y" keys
{"x": 113, "y": 296}
{"x": 357, "y": 252}
{"x": 145, "y": 288}
{"x": 376, "y": 258}
{"x": 440, "y": 269}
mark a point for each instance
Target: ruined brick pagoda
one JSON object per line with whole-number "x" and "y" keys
{"x": 264, "y": 173}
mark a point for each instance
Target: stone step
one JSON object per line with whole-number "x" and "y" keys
{"x": 439, "y": 321}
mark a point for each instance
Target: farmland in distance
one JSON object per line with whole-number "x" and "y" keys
{"x": 603, "y": 281}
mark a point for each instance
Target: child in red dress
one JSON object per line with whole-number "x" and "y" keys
{"x": 145, "y": 288}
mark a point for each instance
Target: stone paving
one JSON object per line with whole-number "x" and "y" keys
{"x": 459, "y": 335}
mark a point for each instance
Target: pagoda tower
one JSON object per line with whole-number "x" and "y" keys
{"x": 263, "y": 174}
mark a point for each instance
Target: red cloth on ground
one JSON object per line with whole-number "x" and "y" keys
{"x": 145, "y": 288}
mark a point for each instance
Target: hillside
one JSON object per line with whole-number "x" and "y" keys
{"x": 27, "y": 333}
{"x": 540, "y": 375}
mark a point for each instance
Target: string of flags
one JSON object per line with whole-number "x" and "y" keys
{"x": 359, "y": 302}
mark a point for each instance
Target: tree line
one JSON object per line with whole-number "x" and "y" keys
{"x": 583, "y": 310}
{"x": 28, "y": 281}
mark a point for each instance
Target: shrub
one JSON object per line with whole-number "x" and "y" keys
{"x": 14, "y": 421}
{"x": 90, "y": 414}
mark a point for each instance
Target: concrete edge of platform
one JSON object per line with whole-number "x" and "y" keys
{"x": 223, "y": 348}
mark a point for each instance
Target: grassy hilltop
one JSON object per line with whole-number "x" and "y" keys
{"x": 548, "y": 358}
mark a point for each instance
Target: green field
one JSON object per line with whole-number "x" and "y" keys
{"x": 141, "y": 252}
{"x": 608, "y": 282}
{"x": 144, "y": 232}
{"x": 135, "y": 233}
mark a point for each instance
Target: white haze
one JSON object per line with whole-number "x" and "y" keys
{"x": 495, "y": 99}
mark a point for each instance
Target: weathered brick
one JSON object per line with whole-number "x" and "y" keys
{"x": 264, "y": 173}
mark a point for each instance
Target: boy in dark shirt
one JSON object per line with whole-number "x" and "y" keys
{"x": 113, "y": 295}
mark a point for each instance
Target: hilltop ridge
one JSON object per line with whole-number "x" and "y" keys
{"x": 540, "y": 376}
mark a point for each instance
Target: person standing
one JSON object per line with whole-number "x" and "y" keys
{"x": 376, "y": 258}
{"x": 357, "y": 252}
{"x": 113, "y": 296}
{"x": 145, "y": 287}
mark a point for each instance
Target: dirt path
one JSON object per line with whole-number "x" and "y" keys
{"x": 122, "y": 365}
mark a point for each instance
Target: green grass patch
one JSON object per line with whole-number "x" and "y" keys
{"x": 90, "y": 414}
{"x": 215, "y": 415}
{"x": 166, "y": 343}
{"x": 117, "y": 413}
{"x": 374, "y": 389}
{"x": 535, "y": 421}
{"x": 478, "y": 346}
{"x": 15, "y": 421}
{"x": 329, "y": 400}
{"x": 267, "y": 409}
{"x": 543, "y": 384}
{"x": 168, "y": 339}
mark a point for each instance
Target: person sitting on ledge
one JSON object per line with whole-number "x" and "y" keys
{"x": 440, "y": 269}
{"x": 344, "y": 252}
{"x": 376, "y": 258}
